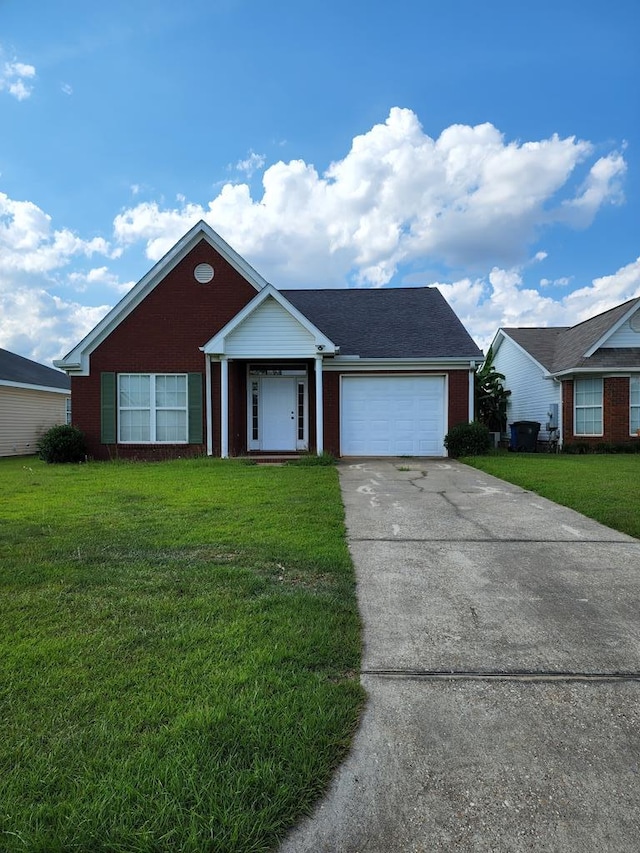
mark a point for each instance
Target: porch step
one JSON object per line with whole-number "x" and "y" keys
{"x": 272, "y": 458}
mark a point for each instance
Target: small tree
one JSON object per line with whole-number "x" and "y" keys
{"x": 491, "y": 396}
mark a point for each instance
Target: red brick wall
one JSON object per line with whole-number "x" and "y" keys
{"x": 458, "y": 398}
{"x": 615, "y": 399}
{"x": 163, "y": 334}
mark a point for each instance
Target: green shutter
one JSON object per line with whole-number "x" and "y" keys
{"x": 108, "y": 408}
{"x": 195, "y": 408}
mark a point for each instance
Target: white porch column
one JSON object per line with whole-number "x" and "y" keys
{"x": 224, "y": 407}
{"x": 472, "y": 393}
{"x": 208, "y": 404}
{"x": 319, "y": 411}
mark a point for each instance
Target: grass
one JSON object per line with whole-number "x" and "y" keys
{"x": 177, "y": 656}
{"x": 601, "y": 486}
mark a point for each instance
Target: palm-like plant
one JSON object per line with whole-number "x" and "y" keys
{"x": 491, "y": 396}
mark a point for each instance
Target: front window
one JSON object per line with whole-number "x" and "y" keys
{"x": 152, "y": 408}
{"x": 588, "y": 406}
{"x": 634, "y": 400}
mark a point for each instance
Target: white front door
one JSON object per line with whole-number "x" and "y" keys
{"x": 278, "y": 398}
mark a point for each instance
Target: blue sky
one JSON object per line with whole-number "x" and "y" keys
{"x": 491, "y": 149}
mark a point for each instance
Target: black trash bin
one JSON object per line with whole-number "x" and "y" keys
{"x": 524, "y": 436}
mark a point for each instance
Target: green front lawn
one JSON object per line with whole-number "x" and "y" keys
{"x": 178, "y": 654}
{"x": 604, "y": 487}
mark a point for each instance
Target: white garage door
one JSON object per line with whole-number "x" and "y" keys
{"x": 392, "y": 416}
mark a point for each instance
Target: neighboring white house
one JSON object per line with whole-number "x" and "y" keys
{"x": 583, "y": 379}
{"x": 33, "y": 398}
{"x": 525, "y": 357}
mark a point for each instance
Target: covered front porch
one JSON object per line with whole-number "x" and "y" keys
{"x": 264, "y": 380}
{"x": 263, "y": 406}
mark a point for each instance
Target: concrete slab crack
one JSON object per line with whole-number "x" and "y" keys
{"x": 500, "y": 675}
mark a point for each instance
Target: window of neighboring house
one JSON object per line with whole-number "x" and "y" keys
{"x": 68, "y": 410}
{"x": 588, "y": 406}
{"x": 634, "y": 400}
{"x": 152, "y": 408}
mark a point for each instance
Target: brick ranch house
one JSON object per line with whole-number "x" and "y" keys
{"x": 203, "y": 356}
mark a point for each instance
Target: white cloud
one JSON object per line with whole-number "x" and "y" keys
{"x": 466, "y": 199}
{"x": 469, "y": 201}
{"x": 251, "y": 163}
{"x": 503, "y": 300}
{"x": 29, "y": 244}
{"x": 14, "y": 77}
{"x": 66, "y": 89}
{"x": 34, "y": 321}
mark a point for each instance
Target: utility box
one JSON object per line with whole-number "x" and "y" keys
{"x": 524, "y": 436}
{"x": 552, "y": 417}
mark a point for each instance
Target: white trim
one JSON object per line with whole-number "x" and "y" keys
{"x": 319, "y": 407}
{"x": 28, "y": 387}
{"x": 208, "y": 404}
{"x": 153, "y": 409}
{"x": 224, "y": 407}
{"x": 610, "y": 331}
{"x": 577, "y": 434}
{"x": 217, "y": 344}
{"x": 77, "y": 360}
{"x": 472, "y": 395}
{"x": 342, "y": 364}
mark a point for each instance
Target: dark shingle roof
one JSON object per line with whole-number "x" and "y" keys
{"x": 563, "y": 348}
{"x": 540, "y": 342}
{"x": 15, "y": 368}
{"x": 395, "y": 322}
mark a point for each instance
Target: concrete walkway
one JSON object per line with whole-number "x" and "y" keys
{"x": 502, "y": 666}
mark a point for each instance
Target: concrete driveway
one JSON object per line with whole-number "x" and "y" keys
{"x": 502, "y": 665}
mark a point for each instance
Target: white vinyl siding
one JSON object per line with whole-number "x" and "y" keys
{"x": 587, "y": 402}
{"x": 25, "y": 415}
{"x": 531, "y": 394}
{"x": 152, "y": 408}
{"x": 392, "y": 416}
{"x": 271, "y": 331}
{"x": 634, "y": 400}
{"x": 624, "y": 337}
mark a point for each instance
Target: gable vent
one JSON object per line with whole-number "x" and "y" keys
{"x": 203, "y": 273}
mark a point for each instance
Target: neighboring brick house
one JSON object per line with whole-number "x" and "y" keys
{"x": 204, "y": 356}
{"x": 583, "y": 379}
{"x": 33, "y": 398}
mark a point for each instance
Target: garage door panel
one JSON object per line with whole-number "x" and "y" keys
{"x": 392, "y": 416}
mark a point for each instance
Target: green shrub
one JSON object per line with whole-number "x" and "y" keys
{"x": 468, "y": 440}
{"x": 64, "y": 443}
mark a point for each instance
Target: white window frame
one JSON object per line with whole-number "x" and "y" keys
{"x": 586, "y": 406}
{"x": 634, "y": 404}
{"x": 153, "y": 409}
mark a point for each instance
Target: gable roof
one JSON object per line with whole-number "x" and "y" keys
{"x": 539, "y": 342}
{"x": 16, "y": 370}
{"x": 562, "y": 349}
{"x": 76, "y": 361}
{"x": 394, "y": 322}
{"x": 217, "y": 344}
